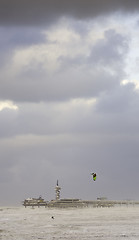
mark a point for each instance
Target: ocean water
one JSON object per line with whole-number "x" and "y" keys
{"x": 115, "y": 223}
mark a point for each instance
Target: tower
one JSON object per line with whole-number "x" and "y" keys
{"x": 57, "y": 191}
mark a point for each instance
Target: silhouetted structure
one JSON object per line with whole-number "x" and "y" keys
{"x": 57, "y": 191}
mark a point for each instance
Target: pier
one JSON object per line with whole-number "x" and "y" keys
{"x": 74, "y": 203}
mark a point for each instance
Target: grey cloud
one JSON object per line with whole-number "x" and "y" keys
{"x": 82, "y": 76}
{"x": 8, "y": 121}
{"x": 115, "y": 112}
{"x": 41, "y": 11}
{"x": 17, "y": 36}
{"x": 58, "y": 140}
{"x": 120, "y": 99}
{"x": 68, "y": 85}
{"x": 39, "y": 164}
{"x": 111, "y": 50}
{"x": 13, "y": 38}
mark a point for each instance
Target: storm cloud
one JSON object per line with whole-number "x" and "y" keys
{"x": 43, "y": 12}
{"x": 69, "y": 97}
{"x": 82, "y": 75}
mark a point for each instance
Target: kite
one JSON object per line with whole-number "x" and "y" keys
{"x": 94, "y": 176}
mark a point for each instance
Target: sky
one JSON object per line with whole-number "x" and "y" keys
{"x": 69, "y": 99}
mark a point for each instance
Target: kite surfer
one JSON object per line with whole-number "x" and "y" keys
{"x": 94, "y": 176}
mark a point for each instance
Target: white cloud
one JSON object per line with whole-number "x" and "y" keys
{"x": 8, "y": 104}
{"x": 135, "y": 82}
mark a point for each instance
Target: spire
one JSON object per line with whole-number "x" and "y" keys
{"x": 57, "y": 191}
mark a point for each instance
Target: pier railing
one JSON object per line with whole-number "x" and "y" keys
{"x": 77, "y": 203}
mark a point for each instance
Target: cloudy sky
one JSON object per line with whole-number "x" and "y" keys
{"x": 69, "y": 99}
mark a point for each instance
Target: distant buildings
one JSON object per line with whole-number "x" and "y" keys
{"x": 34, "y": 202}
{"x": 71, "y": 202}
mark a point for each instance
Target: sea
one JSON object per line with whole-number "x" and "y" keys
{"x": 103, "y": 223}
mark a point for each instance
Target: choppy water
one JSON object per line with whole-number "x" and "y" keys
{"x": 117, "y": 223}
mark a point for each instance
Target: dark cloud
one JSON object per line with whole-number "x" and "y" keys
{"x": 44, "y": 11}
{"x": 53, "y": 75}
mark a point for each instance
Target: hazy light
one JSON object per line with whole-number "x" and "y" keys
{"x": 7, "y": 104}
